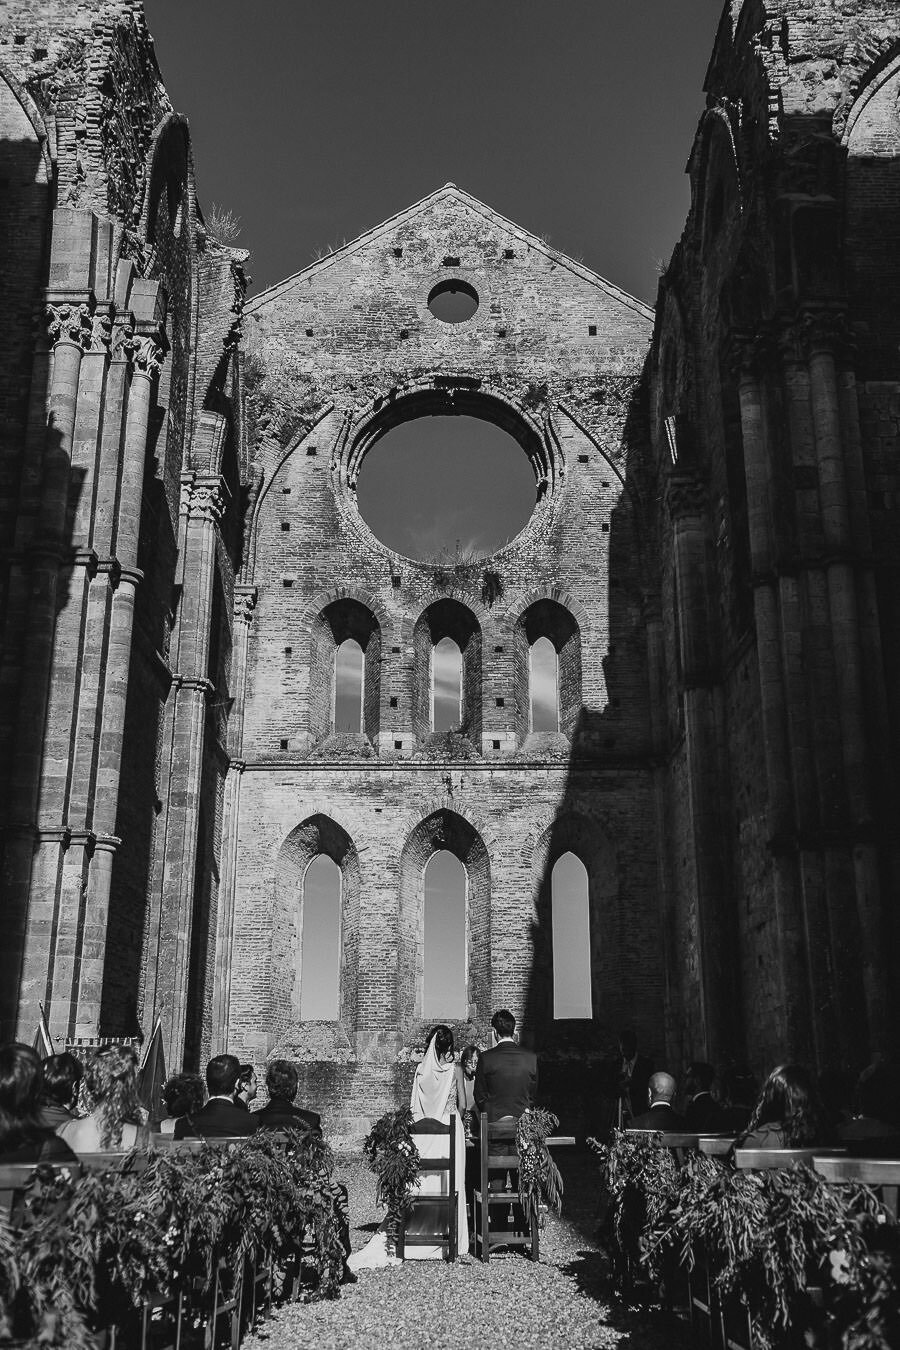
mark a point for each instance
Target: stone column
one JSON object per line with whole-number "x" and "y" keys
{"x": 825, "y": 332}
{"x": 687, "y": 502}
{"x": 794, "y": 992}
{"x": 244, "y": 605}
{"x": 202, "y": 504}
{"x": 69, "y": 330}
{"x": 146, "y": 354}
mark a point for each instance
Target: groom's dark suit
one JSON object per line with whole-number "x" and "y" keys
{"x": 506, "y": 1080}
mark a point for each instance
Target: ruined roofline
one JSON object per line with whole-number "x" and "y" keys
{"x": 451, "y": 190}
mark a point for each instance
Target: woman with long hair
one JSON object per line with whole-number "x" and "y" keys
{"x": 182, "y": 1095}
{"x": 117, "y": 1121}
{"x": 789, "y": 1113}
{"x": 22, "y": 1137}
{"x": 434, "y": 1097}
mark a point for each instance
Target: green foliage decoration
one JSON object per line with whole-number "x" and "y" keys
{"x": 394, "y": 1159}
{"x": 84, "y": 1251}
{"x": 768, "y": 1238}
{"x": 539, "y": 1177}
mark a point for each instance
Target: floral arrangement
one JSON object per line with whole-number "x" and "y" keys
{"x": 768, "y": 1238}
{"x": 394, "y": 1159}
{"x": 85, "y": 1251}
{"x": 539, "y": 1178}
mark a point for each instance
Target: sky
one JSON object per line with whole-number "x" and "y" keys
{"x": 314, "y": 121}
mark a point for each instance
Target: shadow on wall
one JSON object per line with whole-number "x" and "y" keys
{"x": 605, "y": 818}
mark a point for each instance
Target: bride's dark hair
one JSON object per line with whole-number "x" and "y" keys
{"x": 443, "y": 1041}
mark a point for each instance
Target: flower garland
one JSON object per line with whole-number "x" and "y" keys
{"x": 539, "y": 1177}
{"x": 86, "y": 1251}
{"x": 394, "y": 1159}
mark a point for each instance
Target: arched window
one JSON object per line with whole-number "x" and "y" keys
{"x": 446, "y": 686}
{"x": 544, "y": 686}
{"x": 571, "y": 938}
{"x": 320, "y": 941}
{"x": 445, "y": 977}
{"x": 349, "y": 667}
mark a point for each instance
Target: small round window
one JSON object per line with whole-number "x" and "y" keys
{"x": 453, "y": 301}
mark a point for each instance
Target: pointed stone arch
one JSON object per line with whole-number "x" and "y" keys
{"x": 316, "y": 834}
{"x": 443, "y": 828}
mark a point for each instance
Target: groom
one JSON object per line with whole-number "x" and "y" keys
{"x": 505, "y": 1082}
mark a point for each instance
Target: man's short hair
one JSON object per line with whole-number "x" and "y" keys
{"x": 503, "y": 1023}
{"x": 282, "y": 1079}
{"x": 245, "y": 1073}
{"x": 701, "y": 1074}
{"x": 662, "y": 1088}
{"x": 62, "y": 1074}
{"x": 222, "y": 1073}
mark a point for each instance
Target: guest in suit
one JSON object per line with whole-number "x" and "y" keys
{"x": 634, "y": 1070}
{"x": 661, "y": 1115}
{"x": 22, "y": 1138}
{"x": 221, "y": 1116}
{"x": 247, "y": 1086}
{"x": 280, "y": 1113}
{"x": 703, "y": 1113}
{"x": 62, "y": 1079}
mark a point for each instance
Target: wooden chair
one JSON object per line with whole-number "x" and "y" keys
{"x": 487, "y": 1236}
{"x": 430, "y": 1219}
{"x": 882, "y": 1175}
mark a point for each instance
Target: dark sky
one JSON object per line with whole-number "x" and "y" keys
{"x": 314, "y": 121}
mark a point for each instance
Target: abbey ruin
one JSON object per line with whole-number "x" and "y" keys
{"x": 712, "y": 556}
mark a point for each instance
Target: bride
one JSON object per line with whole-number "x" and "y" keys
{"x": 434, "y": 1098}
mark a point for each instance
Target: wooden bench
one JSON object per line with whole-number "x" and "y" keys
{"x": 882, "y": 1175}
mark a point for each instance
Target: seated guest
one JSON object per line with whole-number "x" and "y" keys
{"x": 874, "y": 1131}
{"x": 465, "y": 1086}
{"x": 183, "y": 1095}
{"x": 280, "y": 1113}
{"x": 662, "y": 1115}
{"x": 738, "y": 1093}
{"x": 23, "y": 1139}
{"x": 247, "y": 1086}
{"x": 221, "y": 1116}
{"x": 116, "y": 1121}
{"x": 789, "y": 1113}
{"x": 62, "y": 1078}
{"x": 703, "y": 1114}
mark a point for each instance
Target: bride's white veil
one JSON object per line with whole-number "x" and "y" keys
{"x": 431, "y": 1086}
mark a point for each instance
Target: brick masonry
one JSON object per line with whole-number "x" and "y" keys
{"x": 712, "y": 552}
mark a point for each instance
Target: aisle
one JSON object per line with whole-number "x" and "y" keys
{"x": 509, "y": 1304}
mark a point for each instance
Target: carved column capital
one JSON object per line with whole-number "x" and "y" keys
{"x": 202, "y": 498}
{"x": 101, "y": 329}
{"x": 751, "y": 354}
{"x": 122, "y": 336}
{"x": 244, "y": 603}
{"x": 686, "y": 496}
{"x": 827, "y": 331}
{"x": 72, "y": 323}
{"x": 146, "y": 352}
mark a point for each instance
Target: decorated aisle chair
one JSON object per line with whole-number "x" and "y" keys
{"x": 493, "y": 1207}
{"x": 429, "y": 1221}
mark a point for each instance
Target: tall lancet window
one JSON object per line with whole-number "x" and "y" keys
{"x": 544, "y": 685}
{"x": 571, "y": 938}
{"x": 320, "y": 941}
{"x": 446, "y": 685}
{"x": 349, "y": 667}
{"x": 444, "y": 992}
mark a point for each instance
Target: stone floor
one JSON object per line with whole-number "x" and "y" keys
{"x": 563, "y": 1301}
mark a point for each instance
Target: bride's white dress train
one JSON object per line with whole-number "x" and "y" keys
{"x": 433, "y": 1098}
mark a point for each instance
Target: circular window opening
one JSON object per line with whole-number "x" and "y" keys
{"x": 445, "y": 489}
{"x": 453, "y": 301}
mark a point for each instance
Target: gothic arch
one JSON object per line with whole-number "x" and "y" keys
{"x": 316, "y": 834}
{"x": 444, "y": 828}
{"x": 585, "y": 837}
{"x": 456, "y": 619}
{"x": 168, "y": 167}
{"x": 341, "y": 618}
{"x": 549, "y": 617}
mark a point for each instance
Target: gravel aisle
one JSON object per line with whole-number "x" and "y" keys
{"x": 508, "y": 1304}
